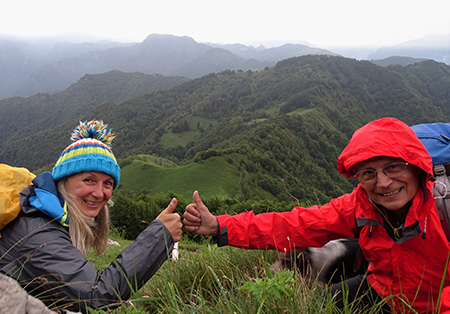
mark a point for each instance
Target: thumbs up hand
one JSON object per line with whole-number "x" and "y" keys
{"x": 171, "y": 220}
{"x": 198, "y": 219}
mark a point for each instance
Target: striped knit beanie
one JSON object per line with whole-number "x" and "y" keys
{"x": 90, "y": 151}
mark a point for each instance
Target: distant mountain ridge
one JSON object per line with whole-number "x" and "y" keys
{"x": 31, "y": 68}
{"x": 50, "y": 65}
{"x": 275, "y": 54}
{"x": 435, "y": 47}
{"x": 395, "y": 60}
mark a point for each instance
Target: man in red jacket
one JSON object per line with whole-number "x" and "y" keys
{"x": 391, "y": 211}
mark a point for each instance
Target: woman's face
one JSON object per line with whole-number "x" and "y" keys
{"x": 391, "y": 193}
{"x": 92, "y": 190}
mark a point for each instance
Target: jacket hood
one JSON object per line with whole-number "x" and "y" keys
{"x": 384, "y": 137}
{"x": 44, "y": 196}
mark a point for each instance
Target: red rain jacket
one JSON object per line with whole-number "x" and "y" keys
{"x": 410, "y": 268}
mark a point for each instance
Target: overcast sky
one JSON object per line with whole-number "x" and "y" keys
{"x": 323, "y": 23}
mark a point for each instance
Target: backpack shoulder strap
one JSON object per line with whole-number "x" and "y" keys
{"x": 441, "y": 192}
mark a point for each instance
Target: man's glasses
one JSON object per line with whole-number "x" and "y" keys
{"x": 392, "y": 170}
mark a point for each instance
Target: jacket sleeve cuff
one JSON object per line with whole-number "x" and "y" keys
{"x": 222, "y": 238}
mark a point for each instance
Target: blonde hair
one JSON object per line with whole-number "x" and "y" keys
{"x": 85, "y": 232}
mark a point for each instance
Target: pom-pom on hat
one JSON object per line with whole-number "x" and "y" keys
{"x": 90, "y": 151}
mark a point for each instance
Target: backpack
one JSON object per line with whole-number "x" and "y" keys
{"x": 436, "y": 139}
{"x": 12, "y": 181}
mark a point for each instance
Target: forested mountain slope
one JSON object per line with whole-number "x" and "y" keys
{"x": 280, "y": 128}
{"x": 21, "y": 117}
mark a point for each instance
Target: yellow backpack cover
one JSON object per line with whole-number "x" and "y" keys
{"x": 12, "y": 181}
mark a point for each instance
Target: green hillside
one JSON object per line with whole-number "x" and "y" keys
{"x": 275, "y": 132}
{"x": 211, "y": 177}
{"x": 186, "y": 130}
{"x": 22, "y": 117}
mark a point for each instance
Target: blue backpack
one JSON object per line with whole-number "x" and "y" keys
{"x": 436, "y": 139}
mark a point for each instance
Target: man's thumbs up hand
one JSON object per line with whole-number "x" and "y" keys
{"x": 198, "y": 219}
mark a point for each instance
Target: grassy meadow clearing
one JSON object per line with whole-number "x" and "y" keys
{"x": 214, "y": 176}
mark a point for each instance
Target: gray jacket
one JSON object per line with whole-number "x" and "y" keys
{"x": 36, "y": 250}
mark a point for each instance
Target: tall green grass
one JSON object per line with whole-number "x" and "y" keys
{"x": 208, "y": 279}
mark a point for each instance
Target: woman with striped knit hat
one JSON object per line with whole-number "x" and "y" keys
{"x": 64, "y": 214}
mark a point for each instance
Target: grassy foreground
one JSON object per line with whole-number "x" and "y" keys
{"x": 207, "y": 279}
